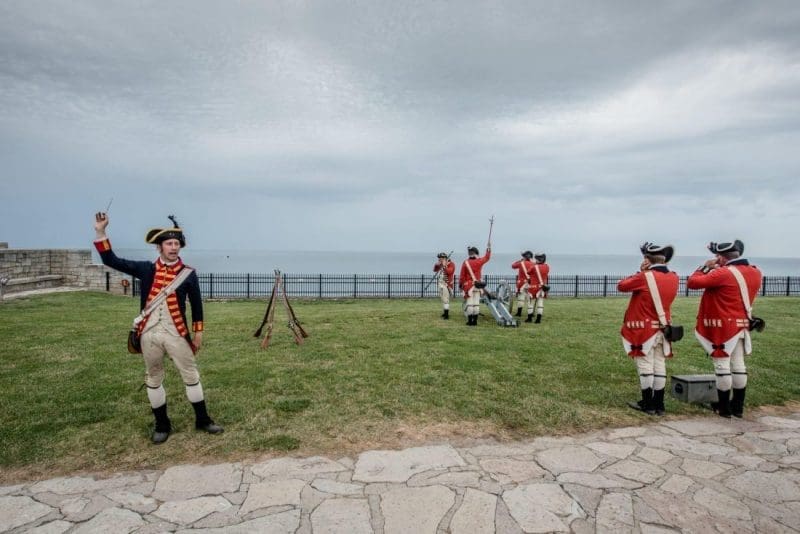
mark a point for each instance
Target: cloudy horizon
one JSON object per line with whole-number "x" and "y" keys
{"x": 398, "y": 126}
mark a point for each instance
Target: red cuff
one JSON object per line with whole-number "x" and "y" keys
{"x": 102, "y": 245}
{"x": 197, "y": 326}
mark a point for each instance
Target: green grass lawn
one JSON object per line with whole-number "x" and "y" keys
{"x": 374, "y": 373}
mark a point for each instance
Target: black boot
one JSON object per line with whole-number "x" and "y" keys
{"x": 469, "y": 320}
{"x": 658, "y": 401}
{"x": 163, "y": 425}
{"x": 646, "y": 404}
{"x": 723, "y": 405}
{"x": 202, "y": 421}
{"x": 519, "y": 312}
{"x": 530, "y": 318}
{"x": 446, "y": 314}
{"x": 737, "y": 402}
{"x": 474, "y": 320}
{"x": 538, "y": 318}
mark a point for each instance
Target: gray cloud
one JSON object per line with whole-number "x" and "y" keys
{"x": 403, "y": 125}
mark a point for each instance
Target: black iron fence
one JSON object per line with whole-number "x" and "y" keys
{"x": 339, "y": 286}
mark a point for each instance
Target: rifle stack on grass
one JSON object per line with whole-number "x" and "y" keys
{"x": 279, "y": 292}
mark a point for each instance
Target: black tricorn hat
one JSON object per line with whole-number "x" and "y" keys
{"x": 661, "y": 250}
{"x": 527, "y": 254}
{"x": 540, "y": 256}
{"x": 441, "y": 255}
{"x": 721, "y": 248}
{"x": 156, "y": 236}
{"x": 473, "y": 250}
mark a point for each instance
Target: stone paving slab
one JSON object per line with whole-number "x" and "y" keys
{"x": 702, "y": 474}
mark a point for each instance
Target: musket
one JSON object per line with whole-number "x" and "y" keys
{"x": 491, "y": 224}
{"x": 436, "y": 275}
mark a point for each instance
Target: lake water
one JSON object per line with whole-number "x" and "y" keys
{"x": 262, "y": 261}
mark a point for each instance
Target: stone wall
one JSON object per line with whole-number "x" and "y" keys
{"x": 36, "y": 268}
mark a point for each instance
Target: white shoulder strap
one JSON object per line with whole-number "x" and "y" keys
{"x": 469, "y": 268}
{"x": 743, "y": 290}
{"x": 653, "y": 287}
{"x": 163, "y": 294}
{"x": 538, "y": 273}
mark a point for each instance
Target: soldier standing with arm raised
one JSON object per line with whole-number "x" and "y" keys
{"x": 724, "y": 320}
{"x": 642, "y": 335}
{"x": 164, "y": 330}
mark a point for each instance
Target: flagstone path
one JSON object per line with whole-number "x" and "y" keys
{"x": 694, "y": 475}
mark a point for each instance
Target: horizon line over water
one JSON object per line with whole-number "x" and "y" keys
{"x": 331, "y": 262}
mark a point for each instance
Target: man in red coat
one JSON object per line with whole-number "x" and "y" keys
{"x": 524, "y": 268}
{"x": 538, "y": 287}
{"x": 446, "y": 271}
{"x": 730, "y": 286}
{"x": 641, "y": 332}
{"x": 471, "y": 283}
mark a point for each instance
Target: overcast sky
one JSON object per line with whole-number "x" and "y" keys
{"x": 584, "y": 127}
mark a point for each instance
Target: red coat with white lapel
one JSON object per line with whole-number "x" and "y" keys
{"x": 449, "y": 272}
{"x": 524, "y": 268}
{"x": 721, "y": 318}
{"x": 544, "y": 272}
{"x": 465, "y": 279}
{"x": 640, "y": 324}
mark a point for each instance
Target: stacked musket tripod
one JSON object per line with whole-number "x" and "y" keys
{"x": 279, "y": 292}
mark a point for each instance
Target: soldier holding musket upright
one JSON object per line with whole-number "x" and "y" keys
{"x": 445, "y": 273}
{"x": 725, "y": 319}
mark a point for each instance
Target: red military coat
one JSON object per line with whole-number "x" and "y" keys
{"x": 535, "y": 287}
{"x": 641, "y": 324}
{"x": 465, "y": 280}
{"x": 524, "y": 268}
{"x": 721, "y": 318}
{"x": 449, "y": 272}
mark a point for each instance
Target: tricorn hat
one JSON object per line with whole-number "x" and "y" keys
{"x": 473, "y": 250}
{"x": 156, "y": 236}
{"x": 527, "y": 254}
{"x": 662, "y": 250}
{"x": 540, "y": 256}
{"x": 721, "y": 248}
{"x": 441, "y": 255}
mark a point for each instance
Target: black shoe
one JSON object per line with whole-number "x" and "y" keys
{"x": 519, "y": 312}
{"x": 211, "y": 427}
{"x": 723, "y": 405}
{"x": 737, "y": 402}
{"x": 658, "y": 402}
{"x": 538, "y": 318}
{"x": 159, "y": 437}
{"x": 163, "y": 425}
{"x": 530, "y": 318}
{"x": 646, "y": 404}
{"x": 446, "y": 314}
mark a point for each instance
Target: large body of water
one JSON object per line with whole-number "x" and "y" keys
{"x": 262, "y": 261}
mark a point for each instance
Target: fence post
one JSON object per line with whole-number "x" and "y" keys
{"x": 108, "y": 281}
{"x": 248, "y": 285}
{"x": 605, "y": 285}
{"x": 576, "y": 286}
{"x": 388, "y": 286}
{"x": 788, "y": 284}
{"x": 764, "y": 286}
{"x": 320, "y": 286}
{"x": 211, "y": 285}
{"x": 422, "y": 286}
{"x": 355, "y": 286}
{"x": 686, "y": 283}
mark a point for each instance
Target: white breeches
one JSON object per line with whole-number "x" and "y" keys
{"x": 473, "y": 301}
{"x": 444, "y": 295}
{"x": 652, "y": 367}
{"x": 731, "y": 371}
